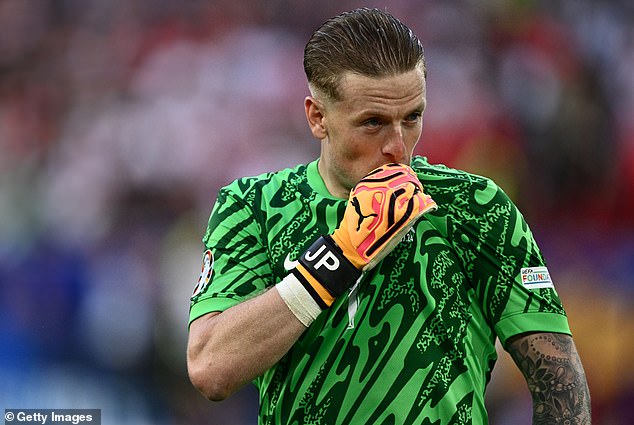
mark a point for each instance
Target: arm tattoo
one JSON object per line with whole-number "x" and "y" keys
{"x": 555, "y": 377}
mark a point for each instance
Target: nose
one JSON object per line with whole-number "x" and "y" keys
{"x": 394, "y": 147}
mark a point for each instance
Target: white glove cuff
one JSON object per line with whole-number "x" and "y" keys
{"x": 298, "y": 300}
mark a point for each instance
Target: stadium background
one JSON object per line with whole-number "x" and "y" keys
{"x": 120, "y": 119}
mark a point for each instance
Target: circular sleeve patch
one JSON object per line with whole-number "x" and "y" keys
{"x": 205, "y": 273}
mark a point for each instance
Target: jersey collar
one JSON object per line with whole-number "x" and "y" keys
{"x": 317, "y": 182}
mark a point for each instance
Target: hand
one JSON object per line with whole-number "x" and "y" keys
{"x": 381, "y": 208}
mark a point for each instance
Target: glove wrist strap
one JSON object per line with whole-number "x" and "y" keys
{"x": 325, "y": 261}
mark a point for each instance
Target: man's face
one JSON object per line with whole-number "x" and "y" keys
{"x": 377, "y": 121}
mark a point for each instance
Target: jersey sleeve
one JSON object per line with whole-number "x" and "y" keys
{"x": 237, "y": 266}
{"x": 504, "y": 266}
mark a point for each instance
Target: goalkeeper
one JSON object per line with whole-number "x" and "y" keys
{"x": 369, "y": 286}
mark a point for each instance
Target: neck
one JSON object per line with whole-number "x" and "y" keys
{"x": 334, "y": 189}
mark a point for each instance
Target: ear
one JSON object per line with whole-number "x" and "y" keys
{"x": 315, "y": 116}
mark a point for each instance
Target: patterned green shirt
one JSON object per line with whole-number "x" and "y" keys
{"x": 414, "y": 341}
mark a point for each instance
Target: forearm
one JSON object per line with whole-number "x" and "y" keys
{"x": 229, "y": 349}
{"x": 552, "y": 368}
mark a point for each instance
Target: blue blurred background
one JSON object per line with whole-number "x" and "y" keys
{"x": 120, "y": 120}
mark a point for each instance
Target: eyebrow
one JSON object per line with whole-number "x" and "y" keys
{"x": 370, "y": 112}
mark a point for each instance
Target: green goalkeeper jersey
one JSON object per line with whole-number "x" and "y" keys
{"x": 414, "y": 341}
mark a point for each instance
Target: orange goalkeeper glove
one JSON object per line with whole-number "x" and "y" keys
{"x": 381, "y": 208}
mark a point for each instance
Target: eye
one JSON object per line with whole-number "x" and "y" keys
{"x": 413, "y": 117}
{"x": 372, "y": 123}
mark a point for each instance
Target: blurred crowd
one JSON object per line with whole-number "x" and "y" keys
{"x": 120, "y": 120}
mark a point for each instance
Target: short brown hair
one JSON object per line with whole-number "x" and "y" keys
{"x": 369, "y": 42}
